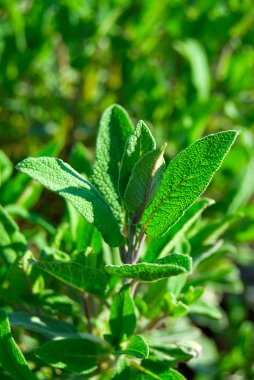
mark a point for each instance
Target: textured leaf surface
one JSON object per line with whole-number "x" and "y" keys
{"x": 137, "y": 348}
{"x": 171, "y": 265}
{"x": 43, "y": 325}
{"x": 144, "y": 180}
{"x": 115, "y": 128}
{"x": 60, "y": 177}
{"x": 11, "y": 358}
{"x": 150, "y": 370}
{"x": 140, "y": 142}
{"x": 184, "y": 180}
{"x": 122, "y": 314}
{"x": 163, "y": 245}
{"x": 77, "y": 355}
{"x": 81, "y": 277}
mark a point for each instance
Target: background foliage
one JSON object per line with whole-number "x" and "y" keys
{"x": 187, "y": 69}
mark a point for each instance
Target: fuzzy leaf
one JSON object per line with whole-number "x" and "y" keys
{"x": 115, "y": 128}
{"x": 171, "y": 265}
{"x": 81, "y": 277}
{"x": 184, "y": 180}
{"x": 77, "y": 355}
{"x": 122, "y": 315}
{"x": 11, "y": 358}
{"x": 60, "y": 177}
{"x": 144, "y": 180}
{"x": 137, "y": 348}
{"x": 140, "y": 142}
{"x": 151, "y": 370}
{"x": 163, "y": 245}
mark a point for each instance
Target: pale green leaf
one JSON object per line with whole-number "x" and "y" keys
{"x": 162, "y": 246}
{"x": 140, "y": 142}
{"x": 137, "y": 347}
{"x": 194, "y": 52}
{"x": 144, "y": 180}
{"x": 81, "y": 277}
{"x": 115, "y": 128}
{"x": 184, "y": 180}
{"x": 171, "y": 265}
{"x": 60, "y": 177}
{"x": 200, "y": 307}
{"x": 11, "y": 358}
{"x": 79, "y": 355}
{"x": 122, "y": 315}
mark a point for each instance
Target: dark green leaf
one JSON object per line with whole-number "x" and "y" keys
{"x": 6, "y": 168}
{"x": 140, "y": 142}
{"x": 58, "y": 176}
{"x": 11, "y": 358}
{"x": 184, "y": 180}
{"x": 171, "y": 265}
{"x": 79, "y": 355}
{"x": 81, "y": 277}
{"x": 115, "y": 128}
{"x": 122, "y": 315}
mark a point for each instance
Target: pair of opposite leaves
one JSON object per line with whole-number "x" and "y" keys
{"x": 128, "y": 165}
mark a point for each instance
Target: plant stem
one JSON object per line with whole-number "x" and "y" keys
{"x": 141, "y": 240}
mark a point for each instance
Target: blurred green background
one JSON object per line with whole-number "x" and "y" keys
{"x": 185, "y": 67}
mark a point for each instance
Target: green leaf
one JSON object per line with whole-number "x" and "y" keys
{"x": 184, "y": 180}
{"x": 171, "y": 265}
{"x": 80, "y": 159}
{"x": 194, "y": 52}
{"x": 43, "y": 325}
{"x": 163, "y": 245}
{"x": 150, "y": 370}
{"x": 140, "y": 142}
{"x": 200, "y": 307}
{"x": 79, "y": 355}
{"x": 11, "y": 358}
{"x": 144, "y": 180}
{"x": 12, "y": 242}
{"x": 6, "y": 168}
{"x": 137, "y": 348}
{"x": 58, "y": 176}
{"x": 122, "y": 315}
{"x": 81, "y": 277}
{"x": 175, "y": 352}
{"x": 115, "y": 128}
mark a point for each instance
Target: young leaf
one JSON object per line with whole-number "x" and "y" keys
{"x": 60, "y": 177}
{"x": 79, "y": 355}
{"x": 184, "y": 180}
{"x": 11, "y": 358}
{"x": 140, "y": 142}
{"x": 150, "y": 370}
{"x": 137, "y": 348}
{"x": 81, "y": 277}
{"x": 144, "y": 180}
{"x": 171, "y": 265}
{"x": 122, "y": 315}
{"x": 115, "y": 128}
{"x": 163, "y": 245}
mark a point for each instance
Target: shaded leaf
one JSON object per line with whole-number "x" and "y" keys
{"x": 11, "y": 358}
{"x": 58, "y": 176}
{"x": 171, "y": 265}
{"x": 114, "y": 130}
{"x": 6, "y": 168}
{"x": 81, "y": 277}
{"x": 122, "y": 315}
{"x": 140, "y": 142}
{"x": 79, "y": 355}
{"x": 184, "y": 180}
{"x": 144, "y": 180}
